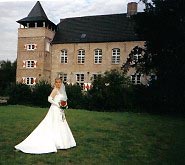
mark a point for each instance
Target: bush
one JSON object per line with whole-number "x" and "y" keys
{"x": 30, "y": 95}
{"x": 40, "y": 93}
{"x": 110, "y": 92}
{"x": 20, "y": 94}
{"x": 75, "y": 96}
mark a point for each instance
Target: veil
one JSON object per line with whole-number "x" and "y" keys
{"x": 62, "y": 91}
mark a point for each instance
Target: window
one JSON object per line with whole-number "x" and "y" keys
{"x": 47, "y": 46}
{"x": 80, "y": 79}
{"x": 29, "y": 80}
{"x": 115, "y": 56}
{"x": 153, "y": 77}
{"x": 63, "y": 76}
{"x": 137, "y": 57}
{"x": 63, "y": 58}
{"x": 136, "y": 79}
{"x": 81, "y": 56}
{"x": 30, "y": 46}
{"x": 30, "y": 64}
{"x": 95, "y": 76}
{"x": 97, "y": 56}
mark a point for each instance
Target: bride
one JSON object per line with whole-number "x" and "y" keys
{"x": 53, "y": 132}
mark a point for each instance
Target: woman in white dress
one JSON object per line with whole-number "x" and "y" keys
{"x": 53, "y": 132}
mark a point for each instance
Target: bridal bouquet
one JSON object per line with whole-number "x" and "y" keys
{"x": 63, "y": 104}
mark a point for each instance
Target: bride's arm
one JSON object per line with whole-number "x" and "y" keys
{"x": 52, "y": 95}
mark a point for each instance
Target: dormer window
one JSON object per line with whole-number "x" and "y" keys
{"x": 83, "y": 35}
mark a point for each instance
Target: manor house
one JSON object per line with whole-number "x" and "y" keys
{"x": 76, "y": 49}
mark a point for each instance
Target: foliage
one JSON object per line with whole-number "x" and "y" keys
{"x": 162, "y": 27}
{"x": 40, "y": 93}
{"x": 37, "y": 95}
{"x": 30, "y": 95}
{"x": 75, "y": 96}
{"x": 7, "y": 76}
{"x": 110, "y": 92}
{"x": 102, "y": 137}
{"x": 20, "y": 94}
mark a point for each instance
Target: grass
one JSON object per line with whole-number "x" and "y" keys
{"x": 102, "y": 138}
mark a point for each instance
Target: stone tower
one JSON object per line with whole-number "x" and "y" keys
{"x": 35, "y": 34}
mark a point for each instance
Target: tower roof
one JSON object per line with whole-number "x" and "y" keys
{"x": 37, "y": 14}
{"x": 37, "y": 11}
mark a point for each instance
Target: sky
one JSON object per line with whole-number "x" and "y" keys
{"x": 14, "y": 10}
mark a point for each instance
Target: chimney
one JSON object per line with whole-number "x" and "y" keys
{"x": 131, "y": 9}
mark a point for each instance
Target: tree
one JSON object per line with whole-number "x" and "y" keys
{"x": 40, "y": 93}
{"x": 7, "y": 75}
{"x": 20, "y": 94}
{"x": 75, "y": 96}
{"x": 110, "y": 92}
{"x": 162, "y": 26}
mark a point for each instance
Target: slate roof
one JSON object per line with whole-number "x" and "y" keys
{"x": 37, "y": 14}
{"x": 101, "y": 28}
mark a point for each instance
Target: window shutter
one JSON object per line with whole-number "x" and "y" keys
{"x": 24, "y": 64}
{"x": 23, "y": 80}
{"x": 34, "y": 81}
{"x": 25, "y": 46}
{"x": 84, "y": 86}
{"x": 35, "y": 46}
{"x": 90, "y": 85}
{"x": 35, "y": 64}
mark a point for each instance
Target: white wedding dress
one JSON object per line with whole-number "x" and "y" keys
{"x": 51, "y": 134}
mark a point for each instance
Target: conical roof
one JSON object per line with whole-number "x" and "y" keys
{"x": 37, "y": 11}
{"x": 37, "y": 14}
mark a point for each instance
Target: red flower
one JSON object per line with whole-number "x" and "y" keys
{"x": 63, "y": 104}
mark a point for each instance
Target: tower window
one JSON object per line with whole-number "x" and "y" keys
{"x": 30, "y": 46}
{"x": 30, "y": 64}
{"x": 29, "y": 80}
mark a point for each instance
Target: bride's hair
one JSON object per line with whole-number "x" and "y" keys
{"x": 58, "y": 79}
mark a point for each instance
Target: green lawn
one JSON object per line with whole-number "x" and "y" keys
{"x": 102, "y": 138}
